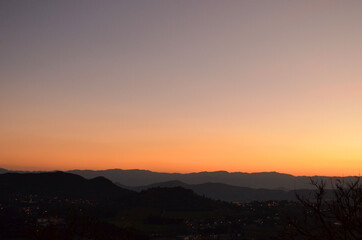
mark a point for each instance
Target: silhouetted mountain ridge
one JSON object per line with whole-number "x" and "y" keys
{"x": 225, "y": 192}
{"x": 72, "y": 186}
{"x": 261, "y": 180}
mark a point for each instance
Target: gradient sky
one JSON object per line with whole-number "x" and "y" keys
{"x": 182, "y": 86}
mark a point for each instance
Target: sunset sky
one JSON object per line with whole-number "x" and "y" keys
{"x": 182, "y": 86}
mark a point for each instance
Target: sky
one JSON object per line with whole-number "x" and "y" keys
{"x": 182, "y": 86}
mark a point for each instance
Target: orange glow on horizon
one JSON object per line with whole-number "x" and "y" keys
{"x": 187, "y": 153}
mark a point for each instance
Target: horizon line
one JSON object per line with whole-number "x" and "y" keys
{"x": 137, "y": 169}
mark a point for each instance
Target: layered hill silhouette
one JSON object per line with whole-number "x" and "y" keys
{"x": 262, "y": 180}
{"x": 69, "y": 185}
{"x": 100, "y": 188}
{"x": 224, "y": 192}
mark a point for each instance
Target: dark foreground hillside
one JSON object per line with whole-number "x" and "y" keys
{"x": 61, "y": 205}
{"x": 61, "y": 184}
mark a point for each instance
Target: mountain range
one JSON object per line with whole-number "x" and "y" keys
{"x": 100, "y": 189}
{"x": 225, "y": 192}
{"x": 260, "y": 180}
{"x": 98, "y": 184}
{"x": 219, "y": 185}
{"x": 263, "y": 180}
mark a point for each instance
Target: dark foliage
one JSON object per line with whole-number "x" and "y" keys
{"x": 337, "y": 218}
